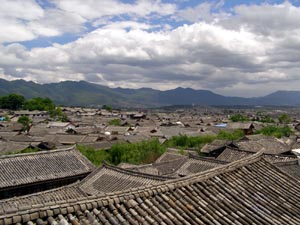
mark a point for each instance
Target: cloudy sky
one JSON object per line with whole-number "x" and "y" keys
{"x": 232, "y": 47}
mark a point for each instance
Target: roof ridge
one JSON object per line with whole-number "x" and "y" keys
{"x": 41, "y": 192}
{"x": 126, "y": 171}
{"x": 191, "y": 156}
{"x": 38, "y": 153}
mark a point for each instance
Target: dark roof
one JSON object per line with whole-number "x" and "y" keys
{"x": 291, "y": 167}
{"x": 29, "y": 168}
{"x": 268, "y": 145}
{"x": 169, "y": 156}
{"x": 109, "y": 178}
{"x": 215, "y": 145}
{"x": 239, "y": 125}
{"x": 232, "y": 154}
{"x": 104, "y": 179}
{"x": 248, "y": 191}
{"x": 9, "y": 146}
{"x": 57, "y": 195}
{"x": 174, "y": 165}
{"x": 196, "y": 164}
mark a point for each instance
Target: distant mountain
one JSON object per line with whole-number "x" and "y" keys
{"x": 73, "y": 93}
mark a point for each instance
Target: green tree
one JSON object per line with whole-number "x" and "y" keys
{"x": 26, "y": 122}
{"x": 58, "y": 114}
{"x": 115, "y": 122}
{"x": 227, "y": 135}
{"x": 107, "y": 107}
{"x": 12, "y": 101}
{"x": 284, "y": 118}
{"x": 239, "y": 118}
{"x": 42, "y": 104}
{"x": 276, "y": 131}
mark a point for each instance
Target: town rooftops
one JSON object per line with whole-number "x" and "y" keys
{"x": 268, "y": 144}
{"x": 248, "y": 191}
{"x": 21, "y": 169}
{"x": 109, "y": 179}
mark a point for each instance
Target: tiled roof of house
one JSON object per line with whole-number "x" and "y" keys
{"x": 174, "y": 165}
{"x": 37, "y": 167}
{"x": 57, "y": 195}
{"x": 290, "y": 167}
{"x": 197, "y": 164}
{"x": 248, "y": 191}
{"x": 215, "y": 145}
{"x": 109, "y": 179}
{"x": 232, "y": 154}
{"x": 269, "y": 145}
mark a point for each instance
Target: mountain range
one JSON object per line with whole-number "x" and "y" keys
{"x": 81, "y": 93}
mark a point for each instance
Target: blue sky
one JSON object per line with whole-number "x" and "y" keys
{"x": 244, "y": 48}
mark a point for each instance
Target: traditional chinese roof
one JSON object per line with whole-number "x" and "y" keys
{"x": 248, "y": 191}
{"x": 21, "y": 169}
{"x": 110, "y": 178}
{"x": 232, "y": 154}
{"x": 269, "y": 145}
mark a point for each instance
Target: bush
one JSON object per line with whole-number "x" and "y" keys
{"x": 42, "y": 104}
{"x": 95, "y": 156}
{"x": 184, "y": 141}
{"x": 26, "y": 122}
{"x": 284, "y": 118}
{"x": 227, "y": 135}
{"x": 276, "y": 131}
{"x": 239, "y": 118}
{"x": 142, "y": 152}
{"x": 115, "y": 122}
{"x": 12, "y": 101}
{"x": 137, "y": 153}
{"x": 26, "y": 150}
{"x": 266, "y": 119}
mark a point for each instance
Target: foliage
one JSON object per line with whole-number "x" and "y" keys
{"x": 58, "y": 114}
{"x": 115, "y": 122}
{"x": 95, "y": 156}
{"x": 266, "y": 119}
{"x": 184, "y": 141}
{"x": 238, "y": 118}
{"x": 137, "y": 153}
{"x": 284, "y": 118}
{"x": 42, "y": 104}
{"x": 26, "y": 122}
{"x": 107, "y": 107}
{"x": 26, "y": 150}
{"x": 276, "y": 131}
{"x": 227, "y": 135}
{"x": 12, "y": 101}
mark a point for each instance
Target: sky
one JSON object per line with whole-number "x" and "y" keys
{"x": 231, "y": 47}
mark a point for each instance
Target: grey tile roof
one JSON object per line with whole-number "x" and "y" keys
{"x": 215, "y": 145}
{"x": 174, "y": 165}
{"x": 169, "y": 156}
{"x": 197, "y": 164}
{"x": 248, "y": 191}
{"x": 109, "y": 178}
{"x": 37, "y": 167}
{"x": 62, "y": 194}
{"x": 290, "y": 167}
{"x": 231, "y": 155}
{"x": 10, "y": 146}
{"x": 269, "y": 145}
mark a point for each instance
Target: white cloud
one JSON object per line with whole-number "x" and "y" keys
{"x": 93, "y": 9}
{"x": 26, "y": 10}
{"x": 255, "y": 48}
